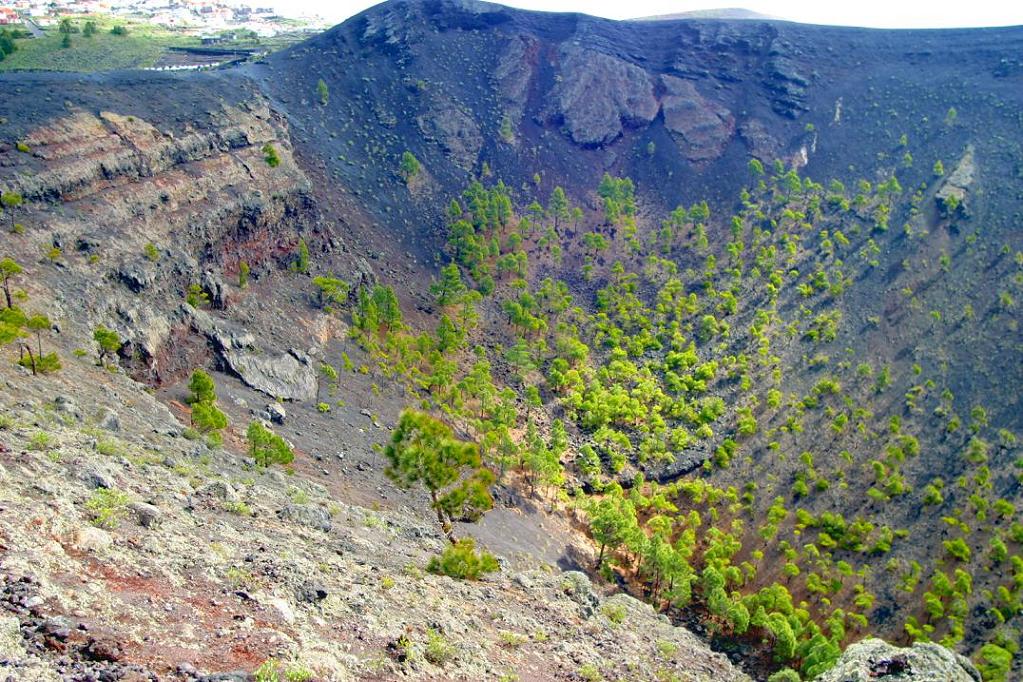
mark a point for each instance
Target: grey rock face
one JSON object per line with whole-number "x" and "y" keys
{"x": 95, "y": 478}
{"x": 579, "y": 589}
{"x": 872, "y": 659}
{"x": 599, "y": 94}
{"x": 279, "y": 376}
{"x": 218, "y": 490}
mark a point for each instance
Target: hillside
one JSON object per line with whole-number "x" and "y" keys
{"x": 728, "y": 309}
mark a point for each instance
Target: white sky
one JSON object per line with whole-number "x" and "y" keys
{"x": 874, "y": 13}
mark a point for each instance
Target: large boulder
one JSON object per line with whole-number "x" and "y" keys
{"x": 874, "y": 659}
{"x": 279, "y": 376}
{"x": 306, "y": 515}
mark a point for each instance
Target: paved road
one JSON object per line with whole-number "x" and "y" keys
{"x": 32, "y": 27}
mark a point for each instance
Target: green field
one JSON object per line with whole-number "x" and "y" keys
{"x": 142, "y": 47}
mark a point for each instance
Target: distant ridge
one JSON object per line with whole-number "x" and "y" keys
{"x": 721, "y": 13}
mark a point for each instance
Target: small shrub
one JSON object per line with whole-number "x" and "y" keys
{"x": 270, "y": 156}
{"x": 461, "y": 560}
{"x": 40, "y": 441}
{"x": 108, "y": 448}
{"x": 239, "y": 508}
{"x": 512, "y": 640}
{"x": 438, "y": 649}
{"x": 107, "y": 507}
{"x": 196, "y": 297}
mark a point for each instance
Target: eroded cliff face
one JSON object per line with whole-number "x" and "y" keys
{"x": 132, "y": 211}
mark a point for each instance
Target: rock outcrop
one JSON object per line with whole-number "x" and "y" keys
{"x": 701, "y": 126}
{"x": 955, "y": 190}
{"x": 454, "y": 130}
{"x": 279, "y": 376}
{"x": 599, "y": 94}
{"x": 874, "y": 659}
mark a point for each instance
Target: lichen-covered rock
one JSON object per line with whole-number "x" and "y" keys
{"x": 874, "y": 659}
{"x": 307, "y": 515}
{"x": 599, "y": 94}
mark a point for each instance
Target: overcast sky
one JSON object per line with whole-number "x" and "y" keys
{"x": 874, "y": 13}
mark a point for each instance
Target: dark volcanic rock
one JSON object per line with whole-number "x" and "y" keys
{"x": 514, "y": 72}
{"x": 599, "y": 94}
{"x": 454, "y": 130}
{"x": 702, "y": 127}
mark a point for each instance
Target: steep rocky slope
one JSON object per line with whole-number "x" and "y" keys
{"x": 147, "y": 196}
{"x": 204, "y": 564}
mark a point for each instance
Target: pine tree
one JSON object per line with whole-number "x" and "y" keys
{"x": 108, "y": 340}
{"x": 450, "y": 287}
{"x": 612, "y": 521}
{"x": 423, "y": 450}
{"x": 8, "y": 270}
{"x": 266, "y": 447}
{"x": 558, "y": 207}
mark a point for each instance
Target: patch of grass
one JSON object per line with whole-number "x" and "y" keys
{"x": 512, "y": 640}
{"x": 108, "y": 447}
{"x": 239, "y": 508}
{"x": 667, "y": 649}
{"x": 39, "y": 441}
{"x": 614, "y": 612}
{"x": 590, "y": 673}
{"x": 143, "y": 45}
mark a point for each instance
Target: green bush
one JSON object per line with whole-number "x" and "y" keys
{"x": 785, "y": 675}
{"x": 461, "y": 560}
{"x": 270, "y": 156}
{"x": 107, "y": 507}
